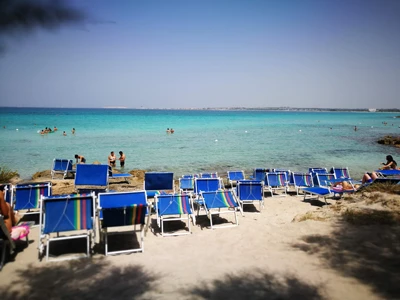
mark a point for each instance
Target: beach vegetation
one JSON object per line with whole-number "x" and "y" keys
{"x": 366, "y": 216}
{"x": 6, "y": 174}
{"x": 383, "y": 188}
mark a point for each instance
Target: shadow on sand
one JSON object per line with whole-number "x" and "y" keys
{"x": 255, "y": 285}
{"x": 370, "y": 254}
{"x": 80, "y": 279}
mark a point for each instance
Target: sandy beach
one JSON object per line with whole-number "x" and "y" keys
{"x": 293, "y": 249}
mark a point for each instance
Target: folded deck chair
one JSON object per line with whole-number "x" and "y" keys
{"x": 250, "y": 191}
{"x": 322, "y": 188}
{"x": 26, "y": 197}
{"x": 6, "y": 241}
{"x": 220, "y": 202}
{"x": 112, "y": 175}
{"x": 91, "y": 178}
{"x": 209, "y": 175}
{"x": 156, "y": 183}
{"x": 302, "y": 180}
{"x": 276, "y": 181}
{"x": 186, "y": 185}
{"x": 176, "y": 207}
{"x": 61, "y": 166}
{"x": 123, "y": 209}
{"x": 66, "y": 217}
{"x": 234, "y": 177}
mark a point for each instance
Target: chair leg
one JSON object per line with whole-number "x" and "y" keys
{"x": 3, "y": 254}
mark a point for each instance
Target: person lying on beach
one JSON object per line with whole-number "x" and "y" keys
{"x": 10, "y": 219}
{"x": 80, "y": 159}
{"x": 344, "y": 186}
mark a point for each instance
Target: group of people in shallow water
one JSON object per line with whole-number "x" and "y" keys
{"x": 170, "y": 130}
{"x": 48, "y": 130}
{"x": 112, "y": 159}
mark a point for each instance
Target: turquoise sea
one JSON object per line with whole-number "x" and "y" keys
{"x": 204, "y": 140}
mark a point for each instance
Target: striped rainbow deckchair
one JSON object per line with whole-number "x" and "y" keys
{"x": 62, "y": 214}
{"x": 276, "y": 181}
{"x": 176, "y": 207}
{"x": 220, "y": 202}
{"x": 26, "y": 197}
{"x": 123, "y": 209}
{"x": 302, "y": 180}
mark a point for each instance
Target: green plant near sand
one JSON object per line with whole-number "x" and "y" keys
{"x": 383, "y": 187}
{"x": 6, "y": 174}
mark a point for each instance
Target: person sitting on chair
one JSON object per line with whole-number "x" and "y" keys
{"x": 390, "y": 164}
{"x": 10, "y": 220}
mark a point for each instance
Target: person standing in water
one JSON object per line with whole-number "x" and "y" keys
{"x": 121, "y": 159}
{"x": 112, "y": 159}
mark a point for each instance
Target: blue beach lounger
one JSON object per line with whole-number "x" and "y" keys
{"x": 259, "y": 174}
{"x": 220, "y": 202}
{"x": 276, "y": 181}
{"x": 341, "y": 172}
{"x": 322, "y": 189}
{"x": 209, "y": 175}
{"x": 250, "y": 191}
{"x": 91, "y": 177}
{"x": 158, "y": 182}
{"x": 205, "y": 185}
{"x": 27, "y": 196}
{"x": 175, "y": 207}
{"x": 112, "y": 175}
{"x": 302, "y": 180}
{"x": 186, "y": 185}
{"x": 123, "y": 209}
{"x": 234, "y": 177}
{"x": 72, "y": 215}
{"x": 61, "y": 166}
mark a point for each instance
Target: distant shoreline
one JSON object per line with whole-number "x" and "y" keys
{"x": 295, "y": 109}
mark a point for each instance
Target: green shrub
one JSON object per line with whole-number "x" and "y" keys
{"x": 6, "y": 174}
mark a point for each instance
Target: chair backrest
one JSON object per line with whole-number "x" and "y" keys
{"x": 156, "y": 181}
{"x": 235, "y": 175}
{"x": 68, "y": 212}
{"x": 190, "y": 176}
{"x": 209, "y": 175}
{"x": 186, "y": 184}
{"x": 60, "y": 164}
{"x": 275, "y": 179}
{"x": 317, "y": 170}
{"x": 323, "y": 179}
{"x": 91, "y": 175}
{"x": 302, "y": 179}
{"x": 207, "y": 185}
{"x": 27, "y": 196}
{"x": 123, "y": 208}
{"x": 219, "y": 199}
{"x": 173, "y": 204}
{"x": 7, "y": 192}
{"x": 289, "y": 174}
{"x": 341, "y": 172}
{"x": 250, "y": 190}
{"x": 259, "y": 173}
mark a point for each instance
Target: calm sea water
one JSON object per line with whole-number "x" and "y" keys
{"x": 203, "y": 140}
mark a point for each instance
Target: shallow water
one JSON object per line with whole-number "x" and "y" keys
{"x": 203, "y": 140}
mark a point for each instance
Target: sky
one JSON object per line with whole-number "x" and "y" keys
{"x": 209, "y": 53}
